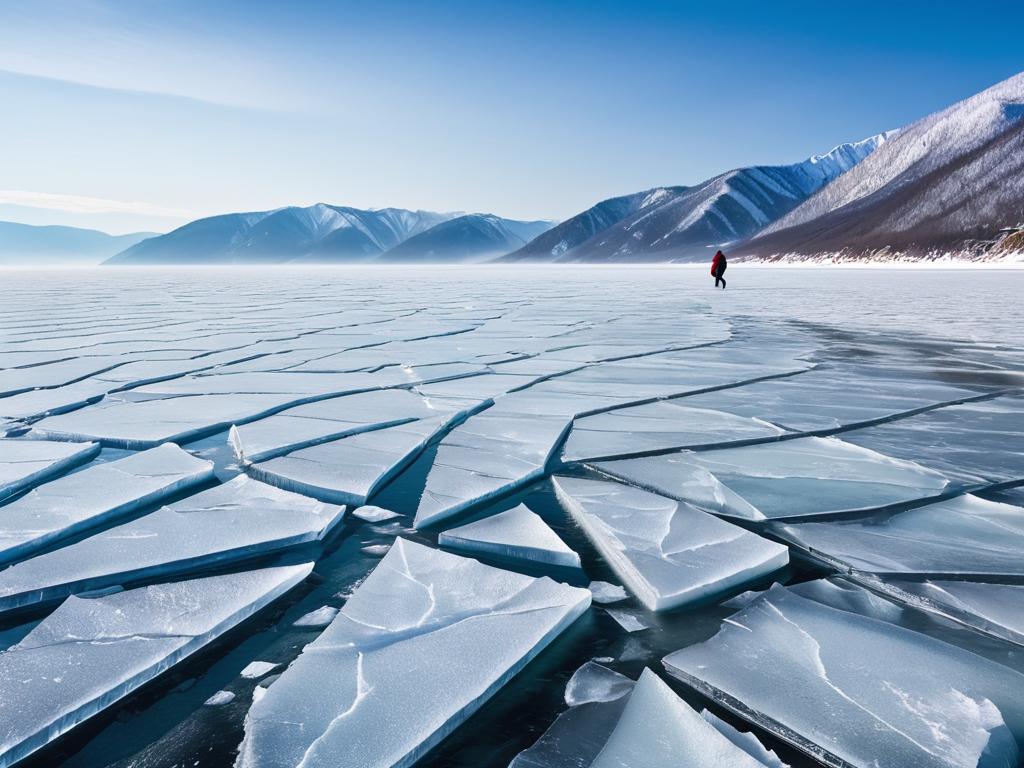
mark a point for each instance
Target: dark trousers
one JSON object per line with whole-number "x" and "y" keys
{"x": 718, "y": 277}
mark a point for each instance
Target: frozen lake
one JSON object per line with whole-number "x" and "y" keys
{"x": 187, "y": 459}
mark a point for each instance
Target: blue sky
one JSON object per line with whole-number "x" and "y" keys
{"x": 145, "y": 114}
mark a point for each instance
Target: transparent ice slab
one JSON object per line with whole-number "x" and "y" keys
{"x": 516, "y": 534}
{"x": 962, "y": 536}
{"x": 594, "y": 682}
{"x": 24, "y": 463}
{"x": 794, "y": 478}
{"x": 92, "y": 652}
{"x": 477, "y": 625}
{"x": 231, "y": 522}
{"x": 350, "y": 470}
{"x": 96, "y": 495}
{"x": 659, "y": 426}
{"x": 852, "y": 690}
{"x": 668, "y": 553}
{"x": 659, "y": 730}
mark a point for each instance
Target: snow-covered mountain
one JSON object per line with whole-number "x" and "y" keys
{"x": 952, "y": 182}
{"x": 473, "y": 237}
{"x": 30, "y": 245}
{"x": 684, "y": 223}
{"x": 573, "y": 232}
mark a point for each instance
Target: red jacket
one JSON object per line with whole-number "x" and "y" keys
{"x": 718, "y": 262}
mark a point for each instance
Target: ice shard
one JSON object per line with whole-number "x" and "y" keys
{"x": 594, "y": 682}
{"x": 476, "y": 624}
{"x": 24, "y": 463}
{"x": 962, "y": 537}
{"x": 350, "y": 470}
{"x": 668, "y": 553}
{"x": 92, "y": 652}
{"x": 96, "y": 495}
{"x": 790, "y": 479}
{"x": 854, "y": 691}
{"x": 659, "y": 426}
{"x": 515, "y": 534}
{"x": 231, "y": 522}
{"x": 745, "y": 740}
{"x": 659, "y": 730}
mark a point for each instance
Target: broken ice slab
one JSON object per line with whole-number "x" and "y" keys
{"x": 855, "y": 691}
{"x": 962, "y": 537}
{"x": 794, "y": 478}
{"x": 321, "y": 617}
{"x": 488, "y": 455}
{"x": 327, "y": 420}
{"x": 603, "y": 592}
{"x": 996, "y": 609}
{"x": 668, "y": 553}
{"x": 125, "y": 421}
{"x": 24, "y": 463}
{"x": 745, "y": 740}
{"x": 659, "y": 426}
{"x": 515, "y": 534}
{"x": 92, "y": 652}
{"x": 350, "y": 470}
{"x": 657, "y": 729}
{"x": 231, "y": 522}
{"x": 594, "y": 682}
{"x": 372, "y": 514}
{"x": 575, "y": 738}
{"x": 96, "y": 495}
{"x": 976, "y": 444}
{"x": 476, "y": 624}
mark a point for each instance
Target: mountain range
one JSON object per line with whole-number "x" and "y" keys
{"x": 28, "y": 244}
{"x": 950, "y": 184}
{"x": 324, "y": 233}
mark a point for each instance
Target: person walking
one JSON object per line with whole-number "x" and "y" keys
{"x": 718, "y": 265}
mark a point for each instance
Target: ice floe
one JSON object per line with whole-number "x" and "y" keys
{"x": 594, "y": 682}
{"x": 515, "y": 534}
{"x": 891, "y": 696}
{"x": 372, "y": 514}
{"x": 794, "y": 478}
{"x": 240, "y": 519}
{"x": 668, "y": 553}
{"x": 321, "y": 617}
{"x": 92, "y": 652}
{"x": 603, "y": 592}
{"x": 478, "y": 625}
{"x": 96, "y": 495}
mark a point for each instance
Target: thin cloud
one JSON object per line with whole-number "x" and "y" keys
{"x": 82, "y": 204}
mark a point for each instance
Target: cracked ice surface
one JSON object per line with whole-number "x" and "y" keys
{"x": 96, "y": 495}
{"x": 477, "y": 625}
{"x": 785, "y": 660}
{"x": 668, "y": 553}
{"x": 92, "y": 652}
{"x": 227, "y": 523}
{"x": 795, "y": 478}
{"x": 516, "y": 533}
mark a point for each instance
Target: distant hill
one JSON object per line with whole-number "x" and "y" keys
{"x": 25, "y": 244}
{"x": 685, "y": 223}
{"x": 951, "y": 183}
{"x": 331, "y": 234}
{"x": 473, "y": 237}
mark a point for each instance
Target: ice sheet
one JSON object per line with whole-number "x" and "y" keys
{"x": 668, "y": 553}
{"x": 795, "y": 478}
{"x": 516, "y": 533}
{"x": 90, "y": 653}
{"x": 95, "y": 496}
{"x": 237, "y": 520}
{"x": 478, "y": 625}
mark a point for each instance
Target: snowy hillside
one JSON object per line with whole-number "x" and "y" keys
{"x": 684, "y": 223}
{"x": 27, "y": 244}
{"x": 318, "y": 233}
{"x": 473, "y": 237}
{"x": 947, "y": 183}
